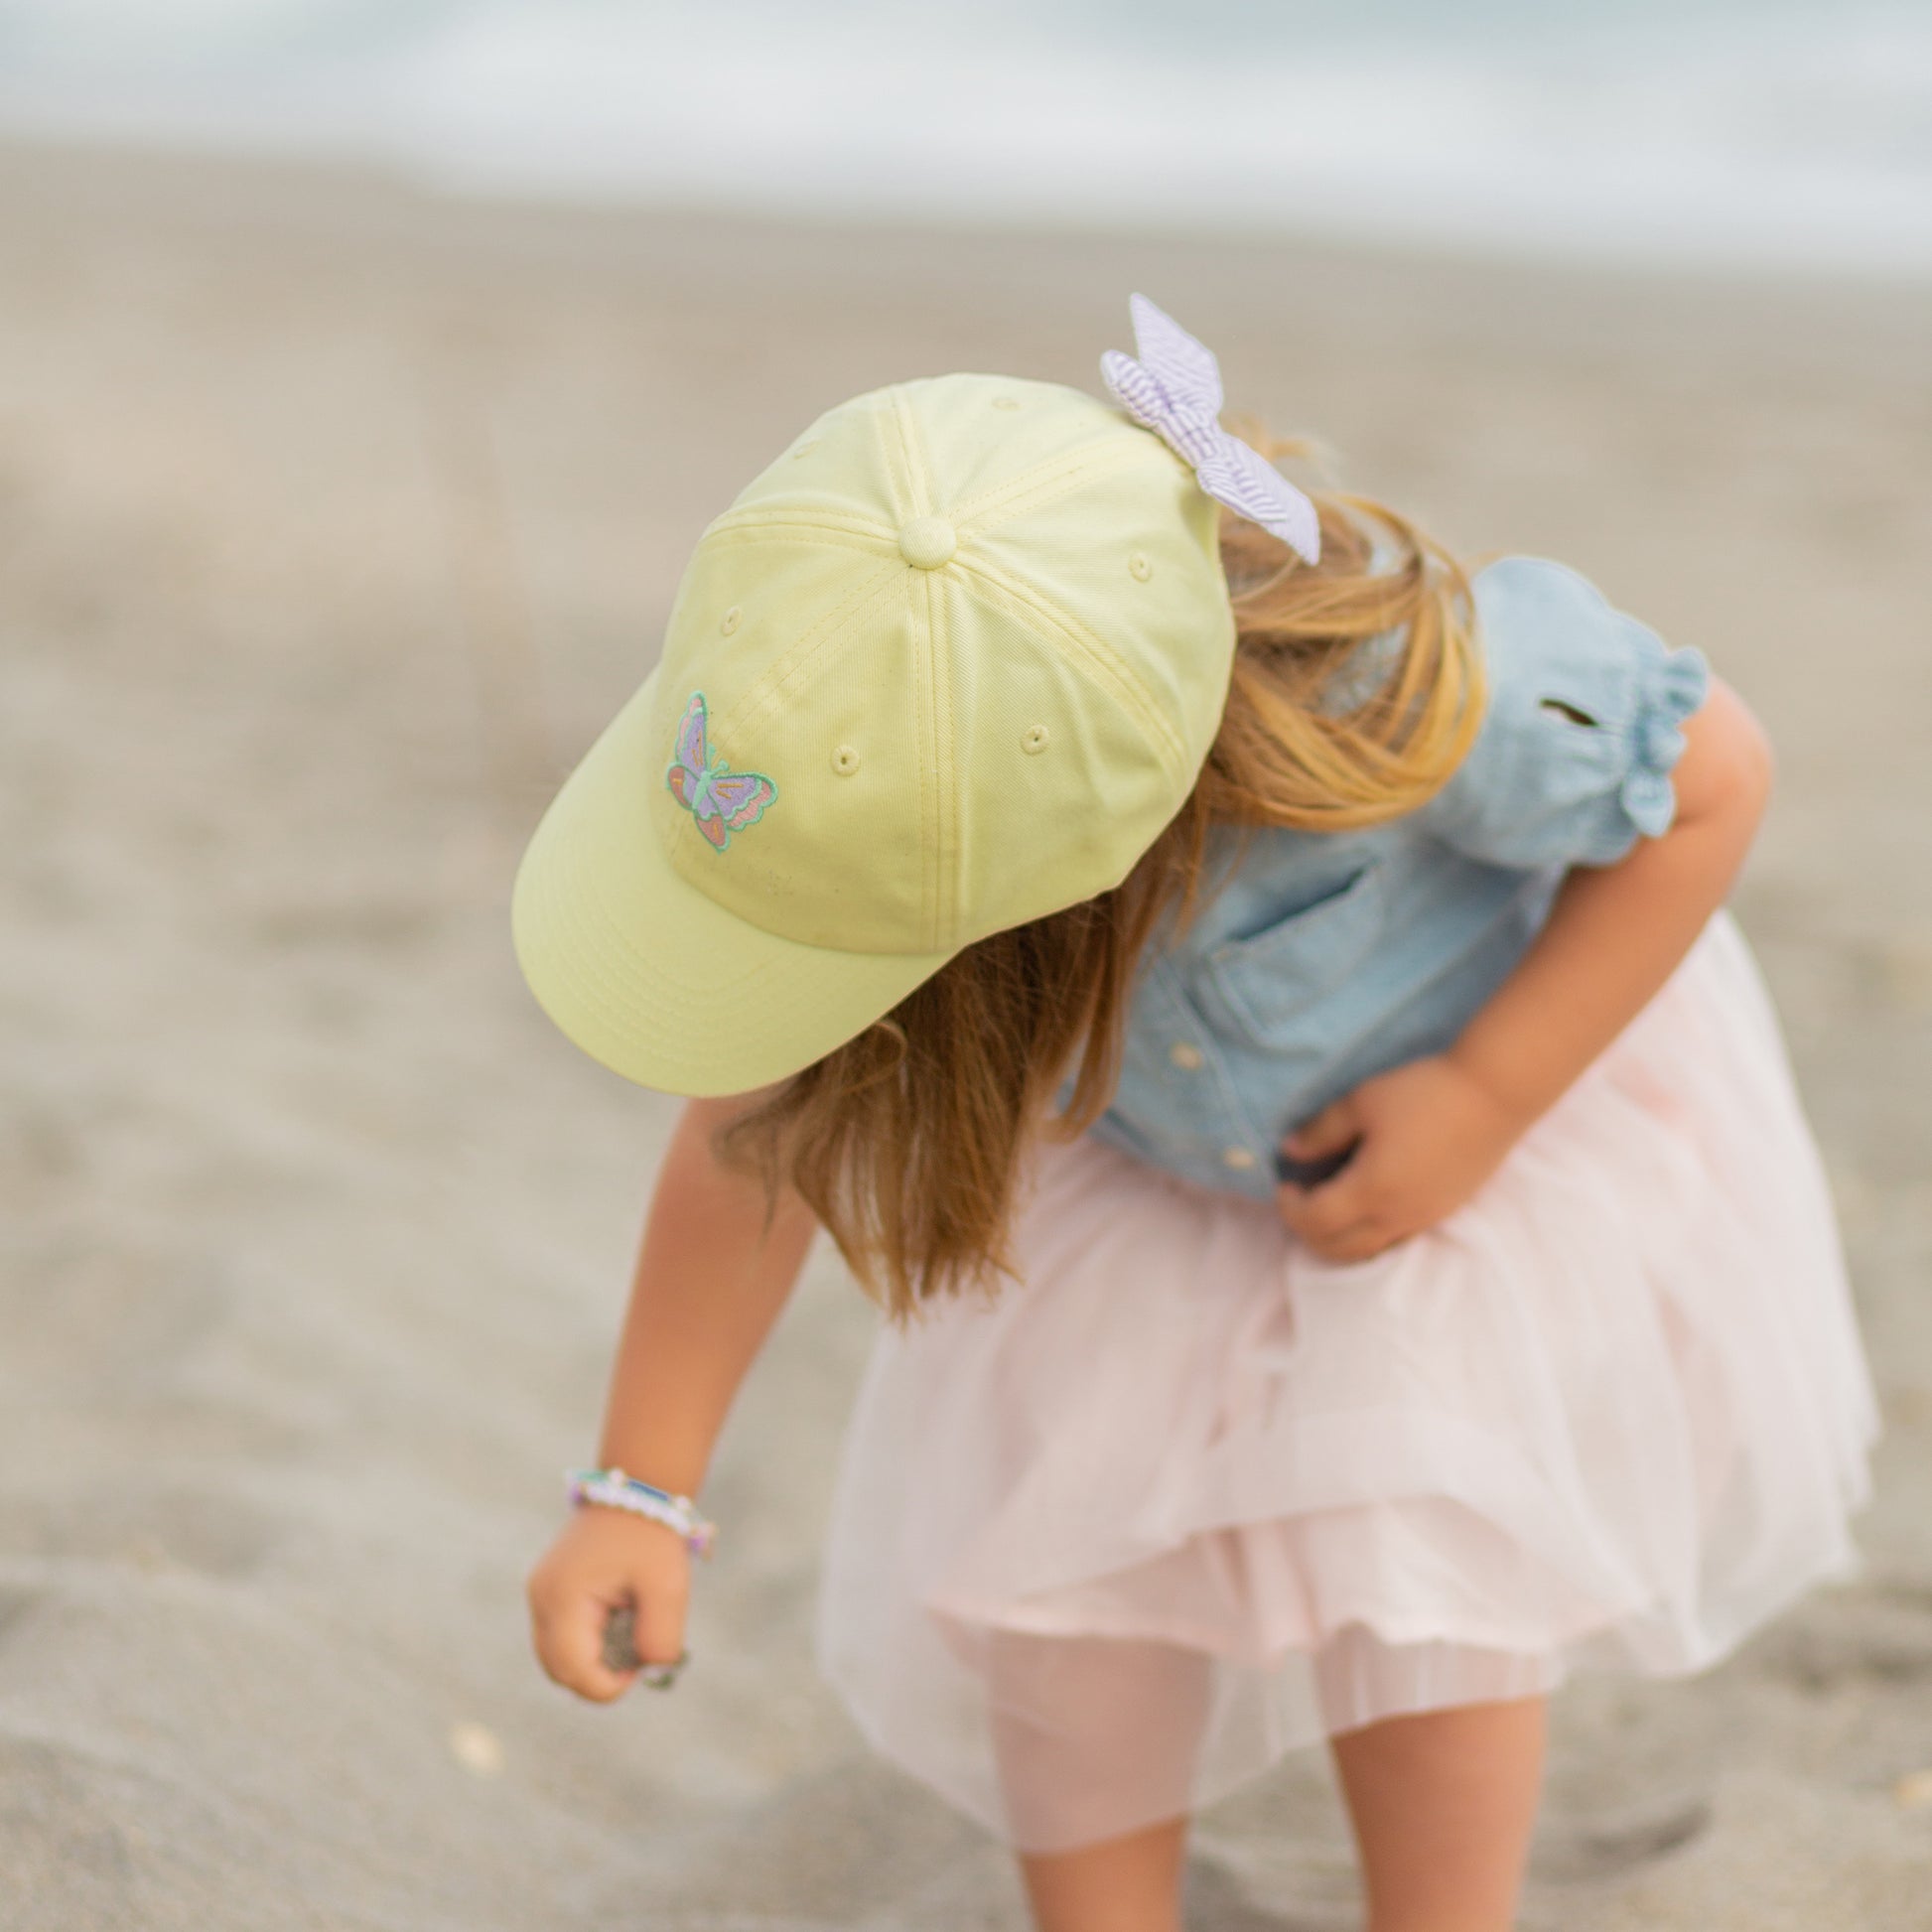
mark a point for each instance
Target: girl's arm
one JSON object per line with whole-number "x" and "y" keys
{"x": 1434, "y": 1131}
{"x": 710, "y": 1280}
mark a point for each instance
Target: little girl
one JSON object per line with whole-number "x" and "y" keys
{"x": 1253, "y": 1005}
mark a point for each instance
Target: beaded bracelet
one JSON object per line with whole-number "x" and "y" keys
{"x": 621, "y": 1491}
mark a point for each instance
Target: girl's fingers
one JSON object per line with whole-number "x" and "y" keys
{"x": 1336, "y": 1231}
{"x": 1327, "y": 1132}
{"x": 1362, "y": 1243}
{"x": 659, "y": 1622}
{"x": 570, "y": 1647}
{"x": 1325, "y": 1210}
{"x": 607, "y": 1601}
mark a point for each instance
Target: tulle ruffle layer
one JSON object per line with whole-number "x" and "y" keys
{"x": 1189, "y": 1497}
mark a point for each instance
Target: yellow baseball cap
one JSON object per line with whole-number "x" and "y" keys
{"x": 951, "y": 663}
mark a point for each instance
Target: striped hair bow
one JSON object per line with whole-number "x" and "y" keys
{"x": 1174, "y": 389}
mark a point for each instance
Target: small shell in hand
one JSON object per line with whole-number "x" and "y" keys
{"x": 620, "y": 1651}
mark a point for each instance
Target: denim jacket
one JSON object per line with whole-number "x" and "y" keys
{"x": 1333, "y": 956}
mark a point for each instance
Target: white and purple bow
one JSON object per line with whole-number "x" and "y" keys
{"x": 1174, "y": 389}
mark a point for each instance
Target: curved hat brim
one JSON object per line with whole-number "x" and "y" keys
{"x": 650, "y": 976}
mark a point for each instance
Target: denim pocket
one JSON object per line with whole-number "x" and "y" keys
{"x": 1262, "y": 987}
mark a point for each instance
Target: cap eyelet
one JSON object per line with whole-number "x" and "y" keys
{"x": 1139, "y": 567}
{"x": 1033, "y": 740}
{"x": 731, "y": 620}
{"x": 1005, "y": 402}
{"x": 845, "y": 760}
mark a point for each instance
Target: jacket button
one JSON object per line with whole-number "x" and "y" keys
{"x": 1185, "y": 1055}
{"x": 1238, "y": 1158}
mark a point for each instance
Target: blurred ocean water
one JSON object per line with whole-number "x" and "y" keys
{"x": 1789, "y": 132}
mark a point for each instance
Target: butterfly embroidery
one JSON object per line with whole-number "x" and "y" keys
{"x": 721, "y": 800}
{"x": 1174, "y": 389}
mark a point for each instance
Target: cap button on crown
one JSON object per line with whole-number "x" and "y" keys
{"x": 927, "y": 542}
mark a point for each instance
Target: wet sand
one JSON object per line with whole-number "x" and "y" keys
{"x": 335, "y": 519}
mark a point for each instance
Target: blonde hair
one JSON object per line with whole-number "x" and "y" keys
{"x": 908, "y": 1142}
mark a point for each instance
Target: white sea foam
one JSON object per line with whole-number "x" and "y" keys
{"x": 1741, "y": 132}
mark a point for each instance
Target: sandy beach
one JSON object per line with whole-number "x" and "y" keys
{"x": 335, "y": 519}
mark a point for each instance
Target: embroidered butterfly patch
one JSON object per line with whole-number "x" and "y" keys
{"x": 721, "y": 800}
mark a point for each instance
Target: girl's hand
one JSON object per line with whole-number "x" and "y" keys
{"x": 1430, "y": 1134}
{"x": 603, "y": 1559}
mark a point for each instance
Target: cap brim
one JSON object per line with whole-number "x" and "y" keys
{"x": 650, "y": 976}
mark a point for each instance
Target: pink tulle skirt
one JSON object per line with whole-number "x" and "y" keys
{"x": 1185, "y": 1498}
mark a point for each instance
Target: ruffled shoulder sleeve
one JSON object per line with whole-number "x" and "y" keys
{"x": 1581, "y": 725}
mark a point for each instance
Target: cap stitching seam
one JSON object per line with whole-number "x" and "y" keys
{"x": 1038, "y": 499}
{"x": 958, "y": 808}
{"x": 885, "y": 544}
{"x": 1091, "y": 649}
{"x": 608, "y": 973}
{"x": 929, "y": 795}
{"x": 931, "y": 799}
{"x": 760, "y": 697}
{"x": 894, "y": 482}
{"x": 946, "y": 912}
{"x": 609, "y": 994}
{"x": 737, "y": 522}
{"x": 917, "y": 473}
{"x": 996, "y": 505}
{"x": 765, "y": 693}
{"x": 613, "y": 969}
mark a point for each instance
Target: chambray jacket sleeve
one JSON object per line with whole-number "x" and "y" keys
{"x": 1581, "y": 725}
